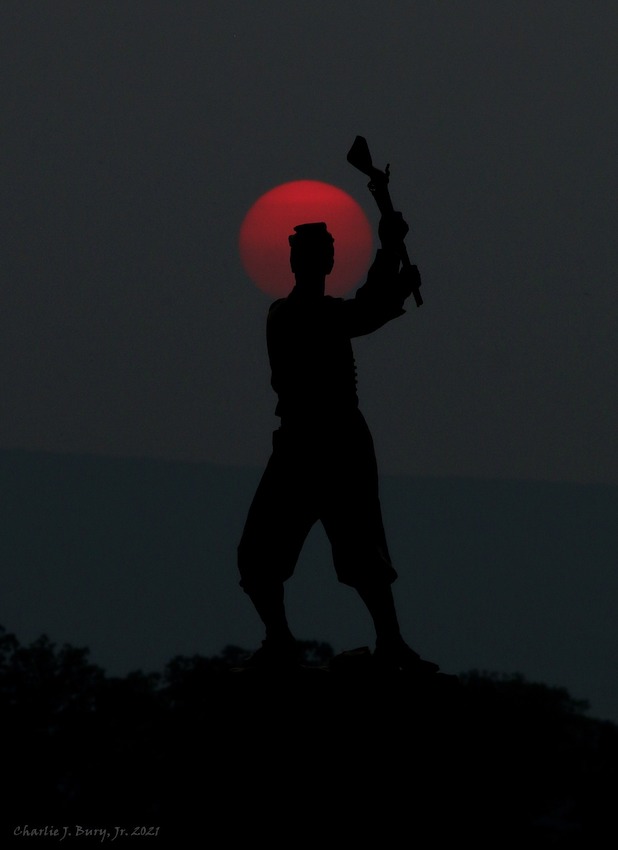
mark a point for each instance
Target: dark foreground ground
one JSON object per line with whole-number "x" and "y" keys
{"x": 204, "y": 756}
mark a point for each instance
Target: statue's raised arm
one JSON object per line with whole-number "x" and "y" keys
{"x": 360, "y": 158}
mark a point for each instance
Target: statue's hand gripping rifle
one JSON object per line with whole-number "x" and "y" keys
{"x": 360, "y": 158}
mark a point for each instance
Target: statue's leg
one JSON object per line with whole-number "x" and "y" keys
{"x": 279, "y": 520}
{"x": 378, "y": 597}
{"x": 268, "y": 601}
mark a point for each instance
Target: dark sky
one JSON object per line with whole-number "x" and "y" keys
{"x": 136, "y": 135}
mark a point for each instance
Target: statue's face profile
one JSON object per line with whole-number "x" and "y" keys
{"x": 312, "y": 251}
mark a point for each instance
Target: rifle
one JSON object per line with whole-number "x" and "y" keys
{"x": 360, "y": 158}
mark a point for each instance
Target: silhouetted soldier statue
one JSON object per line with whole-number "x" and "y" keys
{"x": 323, "y": 465}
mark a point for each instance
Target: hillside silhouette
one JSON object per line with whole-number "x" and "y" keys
{"x": 335, "y": 750}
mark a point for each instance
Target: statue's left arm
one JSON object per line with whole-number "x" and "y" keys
{"x": 382, "y": 296}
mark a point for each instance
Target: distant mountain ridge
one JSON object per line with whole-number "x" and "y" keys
{"x": 135, "y": 558}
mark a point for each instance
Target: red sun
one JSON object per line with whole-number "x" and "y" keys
{"x": 263, "y": 238}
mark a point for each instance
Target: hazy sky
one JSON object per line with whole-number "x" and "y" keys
{"x": 135, "y": 136}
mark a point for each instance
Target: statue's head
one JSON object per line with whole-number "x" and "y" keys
{"x": 312, "y": 251}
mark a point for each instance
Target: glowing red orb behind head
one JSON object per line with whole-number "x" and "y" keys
{"x": 263, "y": 240}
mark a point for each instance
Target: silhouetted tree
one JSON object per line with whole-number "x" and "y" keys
{"x": 197, "y": 743}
